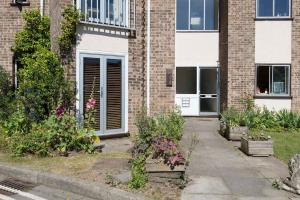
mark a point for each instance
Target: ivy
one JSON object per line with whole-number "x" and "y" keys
{"x": 67, "y": 38}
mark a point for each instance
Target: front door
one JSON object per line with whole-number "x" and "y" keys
{"x": 197, "y": 90}
{"x": 102, "y": 77}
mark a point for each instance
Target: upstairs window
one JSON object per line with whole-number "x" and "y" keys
{"x": 197, "y": 14}
{"x": 109, "y": 12}
{"x": 273, "y": 80}
{"x": 273, "y": 8}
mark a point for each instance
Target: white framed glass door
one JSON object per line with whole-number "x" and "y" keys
{"x": 197, "y": 90}
{"x": 103, "y": 76}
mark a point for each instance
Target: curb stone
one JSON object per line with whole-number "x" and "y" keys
{"x": 81, "y": 187}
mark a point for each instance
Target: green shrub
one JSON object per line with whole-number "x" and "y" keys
{"x": 288, "y": 119}
{"x": 139, "y": 176}
{"x": 232, "y": 117}
{"x": 262, "y": 119}
{"x": 55, "y": 134}
{"x": 34, "y": 35}
{"x": 6, "y": 94}
{"x": 168, "y": 125}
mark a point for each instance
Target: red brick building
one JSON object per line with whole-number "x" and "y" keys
{"x": 201, "y": 55}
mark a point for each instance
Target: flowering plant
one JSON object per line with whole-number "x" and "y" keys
{"x": 167, "y": 149}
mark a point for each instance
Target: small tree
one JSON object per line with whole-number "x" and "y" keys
{"x": 35, "y": 34}
{"x": 5, "y": 93}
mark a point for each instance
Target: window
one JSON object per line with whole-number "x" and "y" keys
{"x": 110, "y": 12}
{"x": 197, "y": 14}
{"x": 20, "y": 2}
{"x": 273, "y": 80}
{"x": 273, "y": 8}
{"x": 186, "y": 80}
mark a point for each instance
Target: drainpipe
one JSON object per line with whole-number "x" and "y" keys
{"x": 148, "y": 54}
{"x": 42, "y": 7}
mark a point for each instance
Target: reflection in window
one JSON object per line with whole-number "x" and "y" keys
{"x": 186, "y": 80}
{"x": 273, "y": 80}
{"x": 197, "y": 14}
{"x": 273, "y": 8}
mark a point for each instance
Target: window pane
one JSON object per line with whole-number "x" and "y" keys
{"x": 279, "y": 80}
{"x": 282, "y": 8}
{"x": 211, "y": 14}
{"x": 265, "y": 8}
{"x": 197, "y": 15}
{"x": 263, "y": 75}
{"x": 186, "y": 80}
{"x": 182, "y": 14}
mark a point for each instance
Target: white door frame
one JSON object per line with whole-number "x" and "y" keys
{"x": 103, "y": 56}
{"x": 197, "y": 95}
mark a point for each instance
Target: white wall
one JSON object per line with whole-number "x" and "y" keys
{"x": 197, "y": 49}
{"x": 274, "y": 104}
{"x": 93, "y": 40}
{"x": 273, "y": 42}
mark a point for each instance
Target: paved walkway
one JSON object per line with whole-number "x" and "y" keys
{"x": 219, "y": 171}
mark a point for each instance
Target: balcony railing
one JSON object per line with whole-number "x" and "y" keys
{"x": 110, "y": 13}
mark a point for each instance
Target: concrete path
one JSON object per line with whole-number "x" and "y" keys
{"x": 219, "y": 171}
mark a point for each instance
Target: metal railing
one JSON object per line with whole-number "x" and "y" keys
{"x": 110, "y": 13}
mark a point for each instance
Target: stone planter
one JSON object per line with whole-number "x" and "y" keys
{"x": 160, "y": 173}
{"x": 257, "y": 148}
{"x": 236, "y": 133}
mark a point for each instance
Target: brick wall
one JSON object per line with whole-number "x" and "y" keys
{"x": 240, "y": 51}
{"x": 136, "y": 67}
{"x": 162, "y": 54}
{"x": 295, "y": 69}
{"x": 10, "y": 23}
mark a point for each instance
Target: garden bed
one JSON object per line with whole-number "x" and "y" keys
{"x": 236, "y": 133}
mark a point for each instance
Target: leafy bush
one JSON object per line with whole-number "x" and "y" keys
{"x": 288, "y": 119}
{"x": 232, "y": 117}
{"x": 261, "y": 119}
{"x": 139, "y": 176}
{"x": 169, "y": 125}
{"x": 6, "y": 94}
{"x": 59, "y": 134}
{"x": 34, "y": 35}
{"x": 41, "y": 83}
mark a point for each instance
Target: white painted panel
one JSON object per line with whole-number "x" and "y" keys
{"x": 273, "y": 41}
{"x": 274, "y": 104}
{"x": 189, "y": 104}
{"x": 197, "y": 49}
{"x": 94, "y": 40}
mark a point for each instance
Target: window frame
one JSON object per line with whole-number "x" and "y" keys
{"x": 271, "y": 78}
{"x": 103, "y": 13}
{"x": 204, "y": 19}
{"x": 273, "y": 9}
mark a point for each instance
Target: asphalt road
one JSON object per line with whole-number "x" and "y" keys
{"x": 13, "y": 189}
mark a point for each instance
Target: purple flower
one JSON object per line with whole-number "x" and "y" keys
{"x": 59, "y": 111}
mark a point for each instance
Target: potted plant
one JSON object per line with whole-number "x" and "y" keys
{"x": 257, "y": 144}
{"x": 233, "y": 123}
{"x": 166, "y": 163}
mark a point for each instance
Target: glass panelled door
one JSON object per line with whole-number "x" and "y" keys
{"x": 197, "y": 90}
{"x": 102, "y": 77}
{"x": 208, "y": 91}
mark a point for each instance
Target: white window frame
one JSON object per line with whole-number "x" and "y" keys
{"x": 204, "y": 19}
{"x": 121, "y": 8}
{"x": 271, "y": 79}
{"x": 273, "y": 15}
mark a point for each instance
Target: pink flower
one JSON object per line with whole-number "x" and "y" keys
{"x": 91, "y": 104}
{"x": 59, "y": 111}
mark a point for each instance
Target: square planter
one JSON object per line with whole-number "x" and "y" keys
{"x": 160, "y": 173}
{"x": 257, "y": 148}
{"x": 236, "y": 133}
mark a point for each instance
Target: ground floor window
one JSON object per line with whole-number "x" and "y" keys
{"x": 273, "y": 80}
